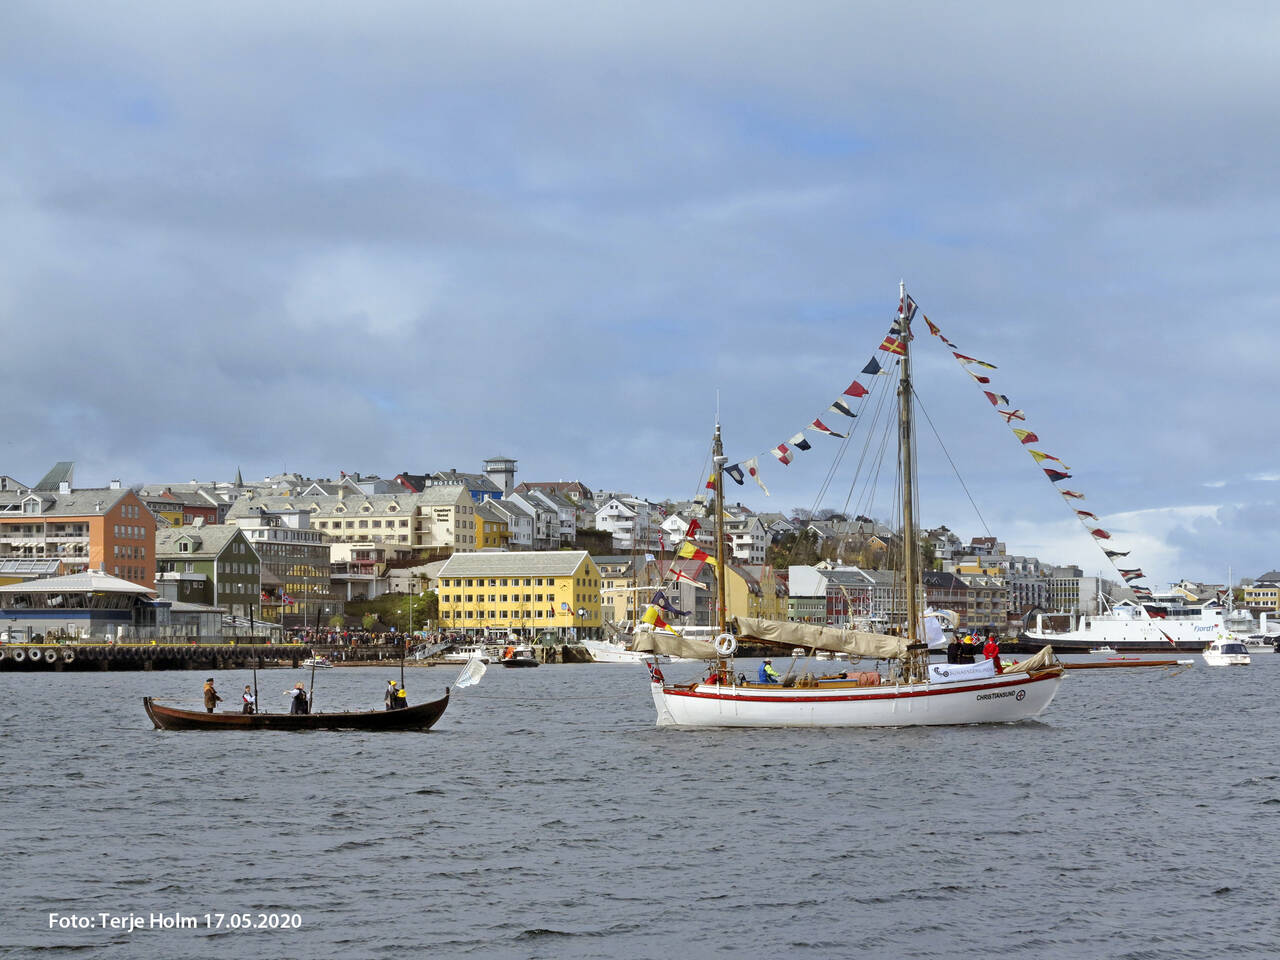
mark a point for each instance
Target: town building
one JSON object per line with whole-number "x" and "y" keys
{"x": 492, "y": 530}
{"x": 1263, "y": 595}
{"x": 627, "y": 584}
{"x": 440, "y": 518}
{"x": 297, "y": 590}
{"x": 528, "y": 594}
{"x": 634, "y": 524}
{"x": 214, "y": 565}
{"x": 108, "y": 529}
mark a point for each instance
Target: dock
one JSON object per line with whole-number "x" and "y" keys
{"x": 149, "y": 655}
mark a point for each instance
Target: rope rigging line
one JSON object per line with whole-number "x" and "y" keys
{"x": 954, "y": 468}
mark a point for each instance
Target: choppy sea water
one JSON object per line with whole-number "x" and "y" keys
{"x": 546, "y": 817}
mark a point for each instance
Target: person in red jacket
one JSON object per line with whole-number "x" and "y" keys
{"x": 992, "y": 651}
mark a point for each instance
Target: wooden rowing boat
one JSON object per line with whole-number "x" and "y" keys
{"x": 420, "y": 717}
{"x": 1124, "y": 663}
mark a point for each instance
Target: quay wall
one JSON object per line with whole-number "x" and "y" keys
{"x": 37, "y": 657}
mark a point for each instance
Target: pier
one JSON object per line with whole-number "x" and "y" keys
{"x": 149, "y": 655}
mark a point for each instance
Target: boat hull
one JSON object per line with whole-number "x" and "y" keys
{"x": 1007, "y": 698}
{"x": 604, "y": 652}
{"x": 419, "y": 717}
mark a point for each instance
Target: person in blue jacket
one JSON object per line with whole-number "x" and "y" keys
{"x": 768, "y": 674}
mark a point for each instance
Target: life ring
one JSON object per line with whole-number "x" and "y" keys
{"x": 50, "y": 656}
{"x": 68, "y": 656}
{"x": 19, "y": 654}
{"x": 726, "y": 644}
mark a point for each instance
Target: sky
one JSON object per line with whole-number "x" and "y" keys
{"x": 396, "y": 237}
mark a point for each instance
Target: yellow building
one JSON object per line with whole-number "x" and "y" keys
{"x": 753, "y": 591}
{"x": 492, "y": 530}
{"x": 628, "y": 583}
{"x": 524, "y": 593}
{"x": 1263, "y": 596}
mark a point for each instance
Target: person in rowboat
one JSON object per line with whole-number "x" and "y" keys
{"x": 211, "y": 698}
{"x": 299, "y": 703}
{"x": 248, "y": 698}
{"x": 389, "y": 699}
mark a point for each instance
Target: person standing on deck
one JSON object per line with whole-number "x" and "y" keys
{"x": 390, "y": 699}
{"x": 992, "y": 652}
{"x": 299, "y": 703}
{"x": 249, "y": 701}
{"x": 211, "y": 698}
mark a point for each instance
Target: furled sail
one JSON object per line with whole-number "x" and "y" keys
{"x": 1043, "y": 659}
{"x": 673, "y": 645}
{"x": 862, "y": 643}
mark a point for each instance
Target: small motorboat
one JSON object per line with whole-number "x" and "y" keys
{"x": 1102, "y": 649}
{"x": 521, "y": 655}
{"x": 1226, "y": 653}
{"x": 320, "y": 663}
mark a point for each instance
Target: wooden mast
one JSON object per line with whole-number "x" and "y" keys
{"x": 906, "y": 452}
{"x": 719, "y": 459}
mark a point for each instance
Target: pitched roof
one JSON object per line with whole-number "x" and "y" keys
{"x": 94, "y": 581}
{"x": 546, "y": 563}
{"x": 212, "y": 539}
{"x": 77, "y": 503}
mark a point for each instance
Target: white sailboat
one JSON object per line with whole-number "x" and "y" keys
{"x": 908, "y": 693}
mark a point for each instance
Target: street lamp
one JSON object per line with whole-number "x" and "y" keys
{"x": 582, "y": 612}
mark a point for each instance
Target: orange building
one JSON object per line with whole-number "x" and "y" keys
{"x": 108, "y": 529}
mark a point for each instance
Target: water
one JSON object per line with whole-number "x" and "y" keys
{"x": 546, "y": 817}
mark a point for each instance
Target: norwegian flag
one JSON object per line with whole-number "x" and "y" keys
{"x": 1135, "y": 574}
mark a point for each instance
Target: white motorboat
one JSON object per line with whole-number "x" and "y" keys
{"x": 520, "y": 655}
{"x": 475, "y": 651}
{"x": 607, "y": 651}
{"x": 1226, "y": 653}
{"x": 319, "y": 663}
{"x": 1102, "y": 650}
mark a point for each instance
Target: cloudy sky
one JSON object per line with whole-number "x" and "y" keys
{"x": 408, "y": 236}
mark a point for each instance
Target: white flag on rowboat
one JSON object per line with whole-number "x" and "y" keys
{"x": 470, "y": 674}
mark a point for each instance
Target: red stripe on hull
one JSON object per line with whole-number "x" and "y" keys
{"x": 888, "y": 695}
